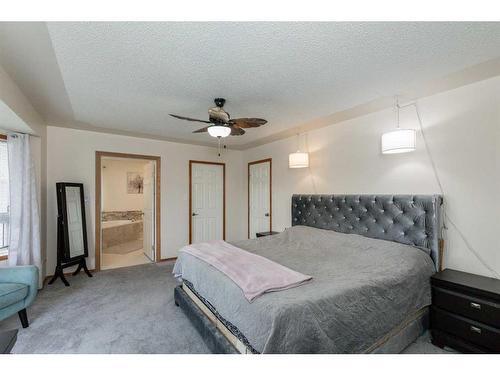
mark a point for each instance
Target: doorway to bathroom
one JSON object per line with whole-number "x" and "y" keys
{"x": 127, "y": 210}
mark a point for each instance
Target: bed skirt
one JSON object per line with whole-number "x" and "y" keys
{"x": 221, "y": 341}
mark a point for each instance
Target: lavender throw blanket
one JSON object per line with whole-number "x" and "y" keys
{"x": 254, "y": 274}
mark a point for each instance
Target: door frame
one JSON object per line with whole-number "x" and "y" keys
{"x": 3, "y": 138}
{"x": 191, "y": 162}
{"x": 98, "y": 198}
{"x": 270, "y": 160}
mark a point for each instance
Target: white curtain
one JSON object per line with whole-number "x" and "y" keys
{"x": 24, "y": 244}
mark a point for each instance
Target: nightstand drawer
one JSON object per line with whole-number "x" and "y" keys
{"x": 477, "y": 333}
{"x": 475, "y": 308}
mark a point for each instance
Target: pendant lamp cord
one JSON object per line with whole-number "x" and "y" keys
{"x": 446, "y": 216}
{"x": 397, "y": 111}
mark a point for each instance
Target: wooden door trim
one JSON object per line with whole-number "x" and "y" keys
{"x": 270, "y": 160}
{"x": 191, "y": 162}
{"x": 98, "y": 192}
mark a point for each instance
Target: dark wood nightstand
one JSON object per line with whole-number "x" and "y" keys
{"x": 264, "y": 234}
{"x": 465, "y": 312}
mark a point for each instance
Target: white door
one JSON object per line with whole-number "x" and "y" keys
{"x": 74, "y": 217}
{"x": 259, "y": 195}
{"x": 207, "y": 202}
{"x": 149, "y": 219}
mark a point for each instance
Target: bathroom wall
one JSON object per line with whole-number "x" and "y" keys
{"x": 114, "y": 185}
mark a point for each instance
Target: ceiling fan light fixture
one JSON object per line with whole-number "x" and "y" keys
{"x": 220, "y": 124}
{"x": 219, "y": 131}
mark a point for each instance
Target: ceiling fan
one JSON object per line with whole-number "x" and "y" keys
{"x": 221, "y": 123}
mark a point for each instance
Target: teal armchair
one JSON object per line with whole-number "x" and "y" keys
{"x": 18, "y": 289}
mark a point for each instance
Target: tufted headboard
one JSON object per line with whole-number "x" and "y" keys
{"x": 408, "y": 219}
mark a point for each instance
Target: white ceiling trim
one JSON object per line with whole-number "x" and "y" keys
{"x": 130, "y": 76}
{"x": 87, "y": 127}
{"x": 125, "y": 78}
{"x": 476, "y": 73}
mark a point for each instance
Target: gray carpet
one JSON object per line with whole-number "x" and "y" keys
{"x": 125, "y": 310}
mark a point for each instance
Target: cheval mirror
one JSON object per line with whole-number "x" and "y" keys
{"x": 72, "y": 246}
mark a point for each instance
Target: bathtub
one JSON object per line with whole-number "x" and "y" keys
{"x": 116, "y": 223}
{"x": 119, "y": 232}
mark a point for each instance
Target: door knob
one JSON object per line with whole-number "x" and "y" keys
{"x": 194, "y": 214}
{"x": 266, "y": 214}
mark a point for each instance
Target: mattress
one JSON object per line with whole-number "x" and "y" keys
{"x": 362, "y": 288}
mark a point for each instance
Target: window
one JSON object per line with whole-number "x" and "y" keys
{"x": 4, "y": 198}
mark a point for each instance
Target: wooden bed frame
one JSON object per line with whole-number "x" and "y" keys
{"x": 221, "y": 340}
{"x": 233, "y": 340}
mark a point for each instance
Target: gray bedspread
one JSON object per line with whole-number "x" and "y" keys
{"x": 361, "y": 289}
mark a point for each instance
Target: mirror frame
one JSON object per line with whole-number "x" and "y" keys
{"x": 64, "y": 251}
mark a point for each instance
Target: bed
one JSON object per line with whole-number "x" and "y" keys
{"x": 371, "y": 258}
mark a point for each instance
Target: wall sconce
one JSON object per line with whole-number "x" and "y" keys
{"x": 298, "y": 159}
{"x": 399, "y": 140}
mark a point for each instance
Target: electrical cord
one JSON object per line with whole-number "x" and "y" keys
{"x": 446, "y": 217}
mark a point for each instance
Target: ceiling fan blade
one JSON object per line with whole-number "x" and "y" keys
{"x": 248, "y": 122}
{"x": 202, "y": 130}
{"x": 236, "y": 131}
{"x": 189, "y": 119}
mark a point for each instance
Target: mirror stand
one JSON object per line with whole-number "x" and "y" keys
{"x": 82, "y": 264}
{"x": 71, "y": 231}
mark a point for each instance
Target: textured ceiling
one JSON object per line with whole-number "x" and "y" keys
{"x": 130, "y": 76}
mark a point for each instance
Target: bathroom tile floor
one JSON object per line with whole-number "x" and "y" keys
{"x": 124, "y": 248}
{"x": 133, "y": 258}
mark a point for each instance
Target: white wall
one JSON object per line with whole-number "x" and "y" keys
{"x": 71, "y": 158}
{"x": 114, "y": 185}
{"x": 463, "y": 131}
